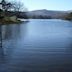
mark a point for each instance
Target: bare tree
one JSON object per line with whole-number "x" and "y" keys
{"x": 5, "y": 5}
{"x": 18, "y": 6}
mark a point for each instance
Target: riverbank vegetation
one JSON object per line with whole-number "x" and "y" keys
{"x": 10, "y": 12}
{"x": 69, "y": 17}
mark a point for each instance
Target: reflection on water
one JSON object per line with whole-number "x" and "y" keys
{"x": 10, "y": 31}
{"x": 10, "y": 35}
{"x": 37, "y": 46}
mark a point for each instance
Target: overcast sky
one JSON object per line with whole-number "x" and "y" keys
{"x": 47, "y": 4}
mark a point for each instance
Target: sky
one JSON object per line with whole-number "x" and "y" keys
{"x": 61, "y": 5}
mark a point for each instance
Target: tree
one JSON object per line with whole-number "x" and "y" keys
{"x": 13, "y": 8}
{"x": 5, "y": 5}
{"x": 19, "y": 6}
{"x": 16, "y": 6}
{"x": 69, "y": 16}
{"x": 19, "y": 9}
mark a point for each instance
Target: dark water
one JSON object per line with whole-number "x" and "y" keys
{"x": 37, "y": 46}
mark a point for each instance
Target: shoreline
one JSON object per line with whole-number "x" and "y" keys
{"x": 10, "y": 22}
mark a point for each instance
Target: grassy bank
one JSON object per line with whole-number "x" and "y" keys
{"x": 2, "y": 22}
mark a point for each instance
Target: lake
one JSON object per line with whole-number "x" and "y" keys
{"x": 37, "y": 46}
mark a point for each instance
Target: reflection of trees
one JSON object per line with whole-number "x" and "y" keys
{"x": 12, "y": 34}
{"x": 11, "y": 31}
{"x": 6, "y": 32}
{"x": 2, "y": 57}
{"x": 0, "y": 36}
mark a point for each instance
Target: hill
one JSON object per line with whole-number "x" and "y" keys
{"x": 46, "y": 14}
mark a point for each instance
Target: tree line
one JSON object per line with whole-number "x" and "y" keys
{"x": 69, "y": 16}
{"x": 13, "y": 7}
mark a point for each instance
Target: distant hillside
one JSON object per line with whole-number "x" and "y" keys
{"x": 46, "y": 14}
{"x": 42, "y": 14}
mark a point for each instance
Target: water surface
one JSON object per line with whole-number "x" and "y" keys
{"x": 37, "y": 46}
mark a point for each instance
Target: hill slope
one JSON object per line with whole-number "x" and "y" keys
{"x": 47, "y": 13}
